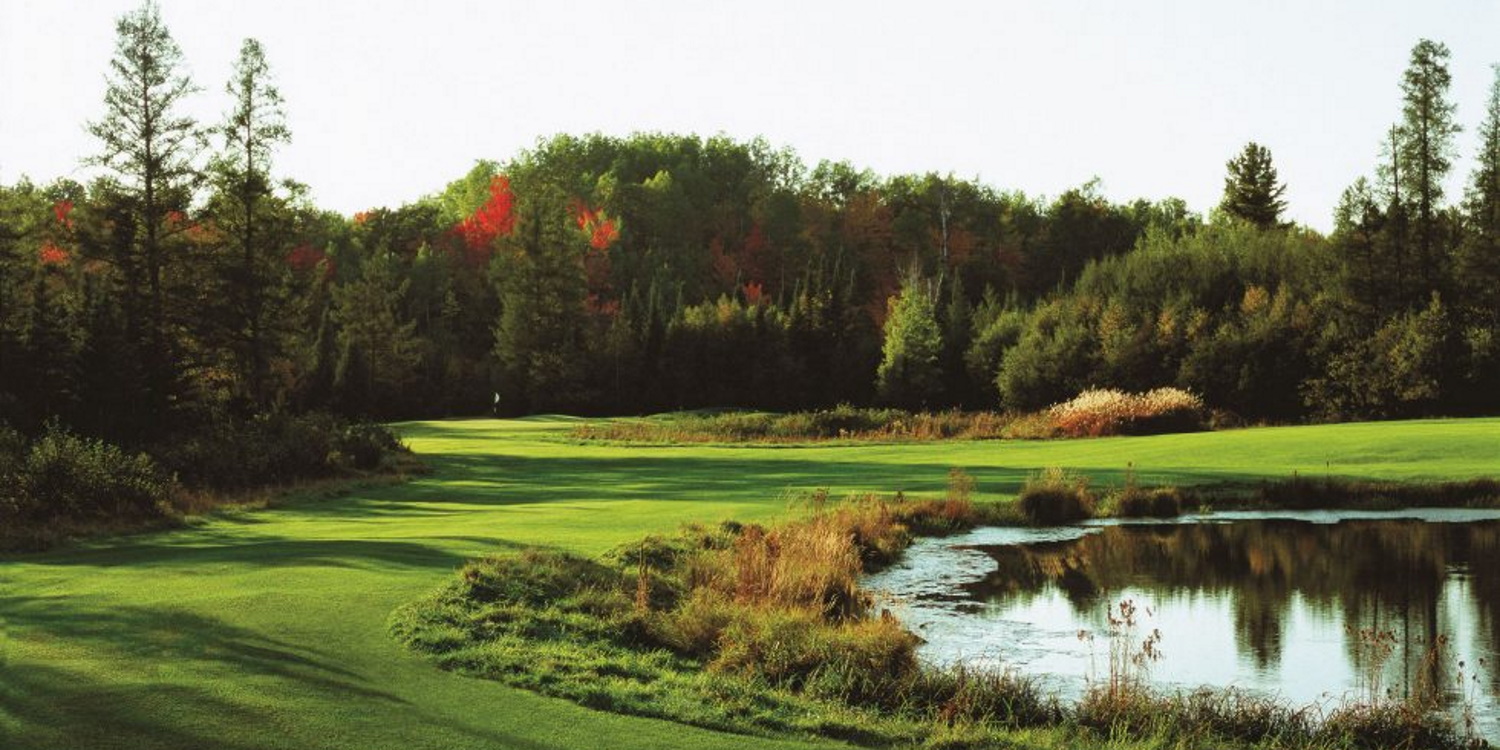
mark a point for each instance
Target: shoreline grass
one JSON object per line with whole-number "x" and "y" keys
{"x": 764, "y": 630}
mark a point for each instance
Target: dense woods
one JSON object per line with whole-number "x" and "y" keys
{"x": 189, "y": 285}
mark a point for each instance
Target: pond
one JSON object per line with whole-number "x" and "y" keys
{"x": 1316, "y": 607}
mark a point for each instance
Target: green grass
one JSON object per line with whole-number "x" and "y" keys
{"x": 268, "y": 629}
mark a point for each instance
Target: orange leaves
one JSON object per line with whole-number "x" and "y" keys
{"x": 496, "y": 218}
{"x": 306, "y": 258}
{"x": 61, "y": 210}
{"x": 755, "y": 294}
{"x": 601, "y": 230}
{"x": 52, "y": 255}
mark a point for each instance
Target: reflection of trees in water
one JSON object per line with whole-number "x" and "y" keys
{"x": 1382, "y": 576}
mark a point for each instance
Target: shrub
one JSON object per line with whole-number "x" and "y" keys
{"x": 1098, "y": 412}
{"x": 275, "y": 449}
{"x": 65, "y": 476}
{"x": 1056, "y": 497}
{"x": 366, "y": 444}
{"x": 1144, "y": 502}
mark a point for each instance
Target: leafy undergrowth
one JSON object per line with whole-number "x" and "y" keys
{"x": 766, "y": 631}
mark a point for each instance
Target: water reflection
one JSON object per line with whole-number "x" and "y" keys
{"x": 1311, "y": 611}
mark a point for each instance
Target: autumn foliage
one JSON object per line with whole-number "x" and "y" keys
{"x": 63, "y": 210}
{"x": 1101, "y": 411}
{"x": 496, "y": 218}
{"x": 305, "y": 258}
{"x": 52, "y": 255}
{"x": 602, "y": 231}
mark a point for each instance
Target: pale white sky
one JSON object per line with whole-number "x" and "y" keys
{"x": 390, "y": 100}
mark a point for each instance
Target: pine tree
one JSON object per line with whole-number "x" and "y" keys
{"x": 1479, "y": 258}
{"x": 1426, "y": 152}
{"x": 151, "y": 147}
{"x": 249, "y": 315}
{"x": 1252, "y": 190}
{"x": 539, "y": 336}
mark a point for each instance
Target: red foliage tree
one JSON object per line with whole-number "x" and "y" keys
{"x": 306, "y": 258}
{"x": 755, "y": 294}
{"x": 52, "y": 255}
{"x": 602, "y": 230}
{"x": 496, "y": 218}
{"x": 61, "y": 210}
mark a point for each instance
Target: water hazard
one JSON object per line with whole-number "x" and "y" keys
{"x": 1308, "y": 607}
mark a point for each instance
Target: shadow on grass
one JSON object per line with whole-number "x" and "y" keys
{"x": 207, "y": 547}
{"x": 460, "y": 479}
{"x": 175, "y": 636}
{"x": 48, "y": 704}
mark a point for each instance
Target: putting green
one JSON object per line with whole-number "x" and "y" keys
{"x": 267, "y": 629}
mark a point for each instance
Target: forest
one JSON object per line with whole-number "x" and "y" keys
{"x": 188, "y": 285}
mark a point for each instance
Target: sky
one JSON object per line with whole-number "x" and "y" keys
{"x": 389, "y": 101}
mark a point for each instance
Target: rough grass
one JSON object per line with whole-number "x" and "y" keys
{"x": 1054, "y": 496}
{"x": 268, "y": 629}
{"x": 843, "y": 423}
{"x": 765, "y": 631}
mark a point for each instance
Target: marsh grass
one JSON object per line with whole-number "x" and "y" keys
{"x": 1098, "y": 412}
{"x": 1055, "y": 496}
{"x": 1305, "y": 492}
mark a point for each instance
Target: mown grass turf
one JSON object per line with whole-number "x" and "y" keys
{"x": 268, "y": 629}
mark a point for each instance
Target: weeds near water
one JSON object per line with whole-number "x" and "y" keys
{"x": 764, "y": 629}
{"x": 1055, "y": 496}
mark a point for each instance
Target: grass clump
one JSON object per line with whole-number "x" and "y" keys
{"x": 1101, "y": 411}
{"x": 1135, "y": 501}
{"x": 1055, "y": 496}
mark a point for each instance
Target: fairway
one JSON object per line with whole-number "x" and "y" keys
{"x": 268, "y": 629}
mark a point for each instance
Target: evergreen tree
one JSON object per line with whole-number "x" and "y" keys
{"x": 909, "y": 374}
{"x": 252, "y": 291}
{"x": 1479, "y": 258}
{"x": 151, "y": 147}
{"x": 1426, "y": 152}
{"x": 1252, "y": 190}
{"x": 540, "y": 334}
{"x": 378, "y": 349}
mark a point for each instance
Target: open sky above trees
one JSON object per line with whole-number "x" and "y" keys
{"x": 390, "y": 101}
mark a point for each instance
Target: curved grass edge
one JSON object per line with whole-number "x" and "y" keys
{"x": 625, "y": 633}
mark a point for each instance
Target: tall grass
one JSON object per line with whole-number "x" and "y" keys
{"x": 766, "y": 629}
{"x": 1055, "y": 496}
{"x": 1099, "y": 411}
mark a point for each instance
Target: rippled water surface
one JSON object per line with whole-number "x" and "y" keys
{"x": 1311, "y": 607}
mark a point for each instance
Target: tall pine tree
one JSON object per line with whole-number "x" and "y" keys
{"x": 249, "y": 315}
{"x": 1426, "y": 154}
{"x": 1252, "y": 190}
{"x": 151, "y": 147}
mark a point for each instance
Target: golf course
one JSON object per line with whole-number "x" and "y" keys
{"x": 268, "y": 628}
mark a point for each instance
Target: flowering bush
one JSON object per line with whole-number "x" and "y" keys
{"x": 1098, "y": 412}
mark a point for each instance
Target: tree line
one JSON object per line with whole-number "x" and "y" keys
{"x": 596, "y": 274}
